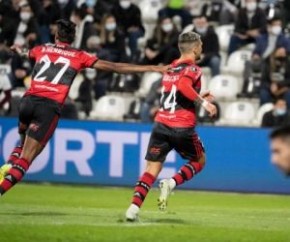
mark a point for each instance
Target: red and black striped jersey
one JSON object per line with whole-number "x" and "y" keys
{"x": 56, "y": 66}
{"x": 175, "y": 109}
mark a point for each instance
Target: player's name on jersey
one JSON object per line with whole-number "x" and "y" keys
{"x": 171, "y": 78}
{"x": 50, "y": 49}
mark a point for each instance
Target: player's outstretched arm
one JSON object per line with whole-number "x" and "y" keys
{"x": 124, "y": 68}
{"x": 19, "y": 51}
{"x": 185, "y": 87}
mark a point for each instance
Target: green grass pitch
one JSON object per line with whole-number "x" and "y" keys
{"x": 47, "y": 213}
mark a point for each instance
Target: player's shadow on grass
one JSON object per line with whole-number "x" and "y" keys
{"x": 35, "y": 213}
{"x": 168, "y": 221}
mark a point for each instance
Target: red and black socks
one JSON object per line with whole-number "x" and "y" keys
{"x": 142, "y": 188}
{"x": 187, "y": 172}
{"x": 15, "y": 154}
{"x": 14, "y": 175}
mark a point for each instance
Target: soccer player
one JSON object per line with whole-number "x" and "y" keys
{"x": 280, "y": 148}
{"x": 55, "y": 69}
{"x": 174, "y": 127}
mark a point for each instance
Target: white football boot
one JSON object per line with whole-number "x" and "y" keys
{"x": 166, "y": 186}
{"x": 4, "y": 170}
{"x": 132, "y": 213}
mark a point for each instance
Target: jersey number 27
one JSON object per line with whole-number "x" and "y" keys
{"x": 47, "y": 64}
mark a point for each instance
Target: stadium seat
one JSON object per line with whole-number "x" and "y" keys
{"x": 74, "y": 90}
{"x": 224, "y": 87}
{"x": 224, "y": 33}
{"x": 236, "y": 62}
{"x": 110, "y": 107}
{"x": 149, "y": 10}
{"x": 147, "y": 80}
{"x": 240, "y": 113}
{"x": 262, "y": 110}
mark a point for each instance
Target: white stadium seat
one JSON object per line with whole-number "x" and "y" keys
{"x": 110, "y": 107}
{"x": 239, "y": 113}
{"x": 224, "y": 33}
{"x": 262, "y": 110}
{"x": 224, "y": 87}
{"x": 236, "y": 62}
{"x": 74, "y": 90}
{"x": 147, "y": 80}
{"x": 149, "y": 10}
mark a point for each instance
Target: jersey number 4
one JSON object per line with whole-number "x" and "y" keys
{"x": 47, "y": 63}
{"x": 168, "y": 99}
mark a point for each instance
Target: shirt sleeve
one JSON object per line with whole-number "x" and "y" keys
{"x": 88, "y": 59}
{"x": 32, "y": 53}
{"x": 192, "y": 73}
{"x": 186, "y": 89}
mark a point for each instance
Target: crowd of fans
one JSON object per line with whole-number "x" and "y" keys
{"x": 113, "y": 29}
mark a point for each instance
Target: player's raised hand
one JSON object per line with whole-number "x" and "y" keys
{"x": 209, "y": 107}
{"x": 16, "y": 48}
{"x": 207, "y": 96}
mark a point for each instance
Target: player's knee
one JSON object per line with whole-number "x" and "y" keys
{"x": 202, "y": 160}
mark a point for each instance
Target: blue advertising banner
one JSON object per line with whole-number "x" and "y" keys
{"x": 109, "y": 153}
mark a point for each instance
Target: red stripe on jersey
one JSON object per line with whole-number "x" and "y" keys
{"x": 45, "y": 89}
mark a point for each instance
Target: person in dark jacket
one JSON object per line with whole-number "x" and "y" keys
{"x": 250, "y": 23}
{"x": 128, "y": 17}
{"x": 272, "y": 49}
{"x": 162, "y": 48}
{"x": 279, "y": 116}
{"x": 210, "y": 46}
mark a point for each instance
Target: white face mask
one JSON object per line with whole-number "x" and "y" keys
{"x": 280, "y": 111}
{"x": 25, "y": 16}
{"x": 167, "y": 27}
{"x": 125, "y": 4}
{"x": 110, "y": 26}
{"x": 62, "y": 2}
{"x": 201, "y": 30}
{"x": 91, "y": 74}
{"x": 251, "y": 6}
{"x": 276, "y": 30}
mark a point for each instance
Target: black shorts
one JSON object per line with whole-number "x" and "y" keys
{"x": 38, "y": 117}
{"x": 184, "y": 140}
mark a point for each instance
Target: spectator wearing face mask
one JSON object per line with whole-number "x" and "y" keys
{"x": 270, "y": 47}
{"x": 27, "y": 29}
{"x": 84, "y": 26}
{"x": 128, "y": 17}
{"x": 250, "y": 23}
{"x": 279, "y": 116}
{"x": 162, "y": 48}
{"x": 210, "y": 48}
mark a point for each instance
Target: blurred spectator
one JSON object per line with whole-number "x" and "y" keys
{"x": 102, "y": 8}
{"x": 21, "y": 68}
{"x": 271, "y": 50}
{"x": 128, "y": 17}
{"x": 150, "y": 105}
{"x": 176, "y": 8}
{"x": 69, "y": 110}
{"x": 250, "y": 23}
{"x": 66, "y": 7}
{"x": 279, "y": 116}
{"x": 162, "y": 48}
{"x": 47, "y": 17}
{"x": 22, "y": 29}
{"x": 84, "y": 26}
{"x": 112, "y": 48}
{"x": 210, "y": 47}
{"x": 220, "y": 11}
{"x": 5, "y": 83}
{"x": 85, "y": 92}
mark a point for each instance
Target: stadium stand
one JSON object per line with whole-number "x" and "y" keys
{"x": 121, "y": 95}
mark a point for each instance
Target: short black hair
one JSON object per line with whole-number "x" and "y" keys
{"x": 66, "y": 31}
{"x": 281, "y": 132}
{"x": 274, "y": 19}
{"x": 185, "y": 40}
